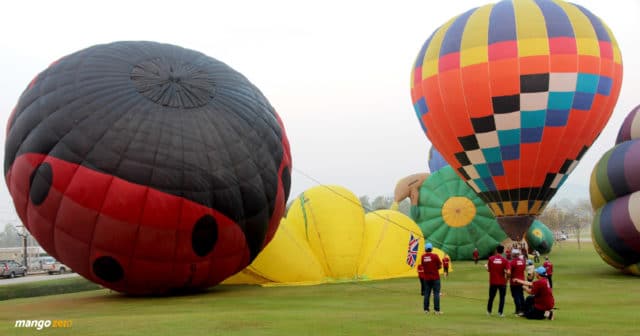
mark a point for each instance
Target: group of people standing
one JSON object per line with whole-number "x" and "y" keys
{"x": 539, "y": 304}
{"x": 518, "y": 271}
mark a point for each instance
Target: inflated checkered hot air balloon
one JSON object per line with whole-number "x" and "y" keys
{"x": 512, "y": 95}
{"x": 147, "y": 167}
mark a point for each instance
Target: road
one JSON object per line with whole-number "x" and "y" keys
{"x": 36, "y": 277}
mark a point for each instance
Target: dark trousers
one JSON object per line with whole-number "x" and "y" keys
{"x": 550, "y": 281}
{"x": 530, "y": 311}
{"x": 492, "y": 294}
{"x": 518, "y": 298}
{"x": 431, "y": 285}
{"x": 421, "y": 286}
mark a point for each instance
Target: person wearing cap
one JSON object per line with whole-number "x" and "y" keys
{"x": 499, "y": 269}
{"x": 549, "y": 267}
{"x": 539, "y": 305}
{"x": 517, "y": 273}
{"x": 431, "y": 264}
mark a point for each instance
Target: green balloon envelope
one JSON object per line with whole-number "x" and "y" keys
{"x": 454, "y": 219}
{"x": 539, "y": 237}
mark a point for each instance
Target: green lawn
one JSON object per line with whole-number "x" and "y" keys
{"x": 592, "y": 299}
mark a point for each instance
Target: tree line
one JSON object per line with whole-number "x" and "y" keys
{"x": 573, "y": 217}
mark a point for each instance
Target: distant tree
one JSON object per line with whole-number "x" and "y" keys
{"x": 9, "y": 236}
{"x": 568, "y": 216}
{"x": 364, "y": 201}
{"x": 584, "y": 213}
{"x": 552, "y": 217}
{"x": 382, "y": 202}
{"x": 405, "y": 207}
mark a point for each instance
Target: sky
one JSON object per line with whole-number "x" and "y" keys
{"x": 337, "y": 72}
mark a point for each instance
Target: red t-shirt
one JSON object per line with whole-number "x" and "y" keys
{"x": 542, "y": 294}
{"x": 431, "y": 264}
{"x": 445, "y": 262}
{"x": 549, "y": 267}
{"x": 518, "y": 266}
{"x": 497, "y": 267}
{"x": 476, "y": 254}
{"x": 420, "y": 271}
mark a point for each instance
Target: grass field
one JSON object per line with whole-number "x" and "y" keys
{"x": 592, "y": 299}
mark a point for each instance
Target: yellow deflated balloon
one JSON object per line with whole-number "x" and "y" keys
{"x": 326, "y": 237}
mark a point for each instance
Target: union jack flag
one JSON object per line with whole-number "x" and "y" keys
{"x": 412, "y": 251}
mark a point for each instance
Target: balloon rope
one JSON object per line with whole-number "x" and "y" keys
{"x": 419, "y": 234}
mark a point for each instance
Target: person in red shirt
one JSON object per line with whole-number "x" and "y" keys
{"x": 431, "y": 264}
{"x": 508, "y": 254}
{"x": 476, "y": 255}
{"x": 549, "y": 267}
{"x": 445, "y": 265}
{"x": 518, "y": 266}
{"x": 498, "y": 268}
{"x": 539, "y": 305}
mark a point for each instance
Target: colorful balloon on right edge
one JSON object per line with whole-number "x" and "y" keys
{"x": 615, "y": 196}
{"x": 512, "y": 95}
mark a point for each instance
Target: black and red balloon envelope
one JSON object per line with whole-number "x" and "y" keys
{"x": 147, "y": 167}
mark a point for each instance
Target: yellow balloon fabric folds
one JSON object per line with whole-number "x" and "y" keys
{"x": 326, "y": 237}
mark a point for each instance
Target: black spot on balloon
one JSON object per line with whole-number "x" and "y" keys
{"x": 40, "y": 183}
{"x": 204, "y": 235}
{"x": 286, "y": 182}
{"x": 108, "y": 269}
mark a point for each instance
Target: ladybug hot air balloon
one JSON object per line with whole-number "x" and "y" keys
{"x": 512, "y": 95}
{"x": 147, "y": 167}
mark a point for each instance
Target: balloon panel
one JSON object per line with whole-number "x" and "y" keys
{"x": 616, "y": 173}
{"x": 630, "y": 128}
{"x": 513, "y": 94}
{"x": 436, "y": 161}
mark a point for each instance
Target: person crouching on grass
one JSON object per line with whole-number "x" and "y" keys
{"x": 539, "y": 305}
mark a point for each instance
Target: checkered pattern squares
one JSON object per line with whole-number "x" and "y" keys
{"x": 534, "y": 101}
{"x": 506, "y": 104}
{"x": 475, "y": 157}
{"x": 508, "y": 121}
{"x": 483, "y": 124}
{"x": 488, "y": 140}
{"x": 545, "y": 100}
{"x": 563, "y": 82}
{"x": 534, "y": 83}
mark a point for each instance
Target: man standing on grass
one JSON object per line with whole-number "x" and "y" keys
{"x": 445, "y": 265}
{"x": 499, "y": 269}
{"x": 548, "y": 266}
{"x": 476, "y": 255}
{"x": 517, "y": 273}
{"x": 431, "y": 264}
